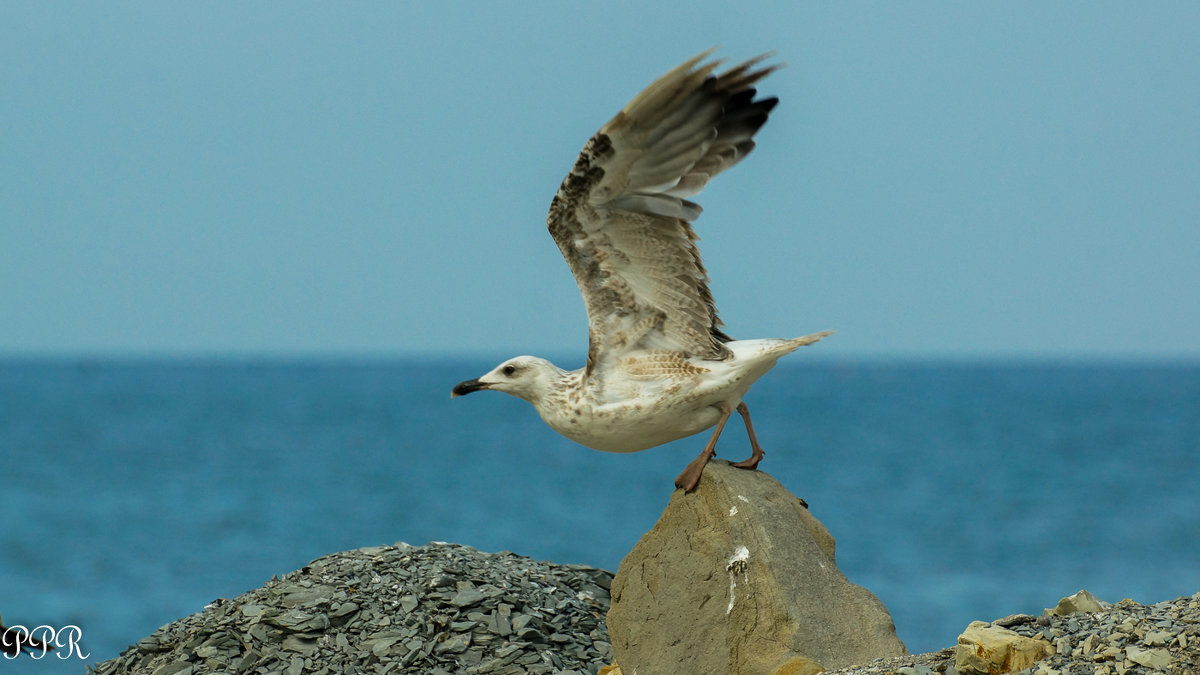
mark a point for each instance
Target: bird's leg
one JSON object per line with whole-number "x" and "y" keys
{"x": 690, "y": 478}
{"x": 757, "y": 451}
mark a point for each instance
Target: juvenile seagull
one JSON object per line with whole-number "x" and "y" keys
{"x": 659, "y": 368}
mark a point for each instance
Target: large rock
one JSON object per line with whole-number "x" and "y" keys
{"x": 738, "y": 577}
{"x": 986, "y": 649}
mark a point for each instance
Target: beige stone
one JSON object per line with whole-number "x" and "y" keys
{"x": 1158, "y": 659}
{"x": 1081, "y": 601}
{"x": 984, "y": 649}
{"x": 738, "y": 577}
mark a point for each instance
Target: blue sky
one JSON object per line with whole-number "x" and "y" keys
{"x": 1009, "y": 179}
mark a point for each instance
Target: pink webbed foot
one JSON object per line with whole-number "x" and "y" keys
{"x": 690, "y": 477}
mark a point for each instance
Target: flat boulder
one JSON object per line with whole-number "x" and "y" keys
{"x": 739, "y": 577}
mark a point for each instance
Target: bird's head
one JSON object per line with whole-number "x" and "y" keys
{"x": 526, "y": 377}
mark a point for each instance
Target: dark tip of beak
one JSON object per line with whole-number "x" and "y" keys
{"x": 464, "y": 388}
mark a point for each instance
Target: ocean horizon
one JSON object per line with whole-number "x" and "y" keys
{"x": 139, "y": 489}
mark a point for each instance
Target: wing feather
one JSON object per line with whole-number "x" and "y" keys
{"x": 622, "y": 218}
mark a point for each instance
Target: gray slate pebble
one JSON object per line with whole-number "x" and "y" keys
{"x": 441, "y": 608}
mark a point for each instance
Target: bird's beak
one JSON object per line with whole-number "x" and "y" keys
{"x": 464, "y": 388}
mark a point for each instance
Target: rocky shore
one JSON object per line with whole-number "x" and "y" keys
{"x": 737, "y": 577}
{"x": 445, "y": 609}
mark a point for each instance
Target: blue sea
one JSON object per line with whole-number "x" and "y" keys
{"x": 136, "y": 492}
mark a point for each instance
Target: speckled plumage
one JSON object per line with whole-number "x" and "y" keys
{"x": 659, "y": 366}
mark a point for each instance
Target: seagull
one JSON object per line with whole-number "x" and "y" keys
{"x": 659, "y": 367}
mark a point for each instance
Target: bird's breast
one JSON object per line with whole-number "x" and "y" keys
{"x": 630, "y": 426}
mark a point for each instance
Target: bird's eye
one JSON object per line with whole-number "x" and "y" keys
{"x": 509, "y": 370}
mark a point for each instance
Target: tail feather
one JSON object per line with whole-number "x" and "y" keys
{"x": 806, "y": 340}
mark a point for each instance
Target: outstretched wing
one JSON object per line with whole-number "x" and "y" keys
{"x": 622, "y": 220}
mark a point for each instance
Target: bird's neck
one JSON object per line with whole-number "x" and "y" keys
{"x": 556, "y": 387}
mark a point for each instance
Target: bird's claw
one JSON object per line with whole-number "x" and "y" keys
{"x": 751, "y": 463}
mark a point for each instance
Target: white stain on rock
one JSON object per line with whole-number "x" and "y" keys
{"x": 736, "y": 566}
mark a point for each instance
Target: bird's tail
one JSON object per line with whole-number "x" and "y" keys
{"x": 796, "y": 343}
{"x": 778, "y": 347}
{"x": 768, "y": 350}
